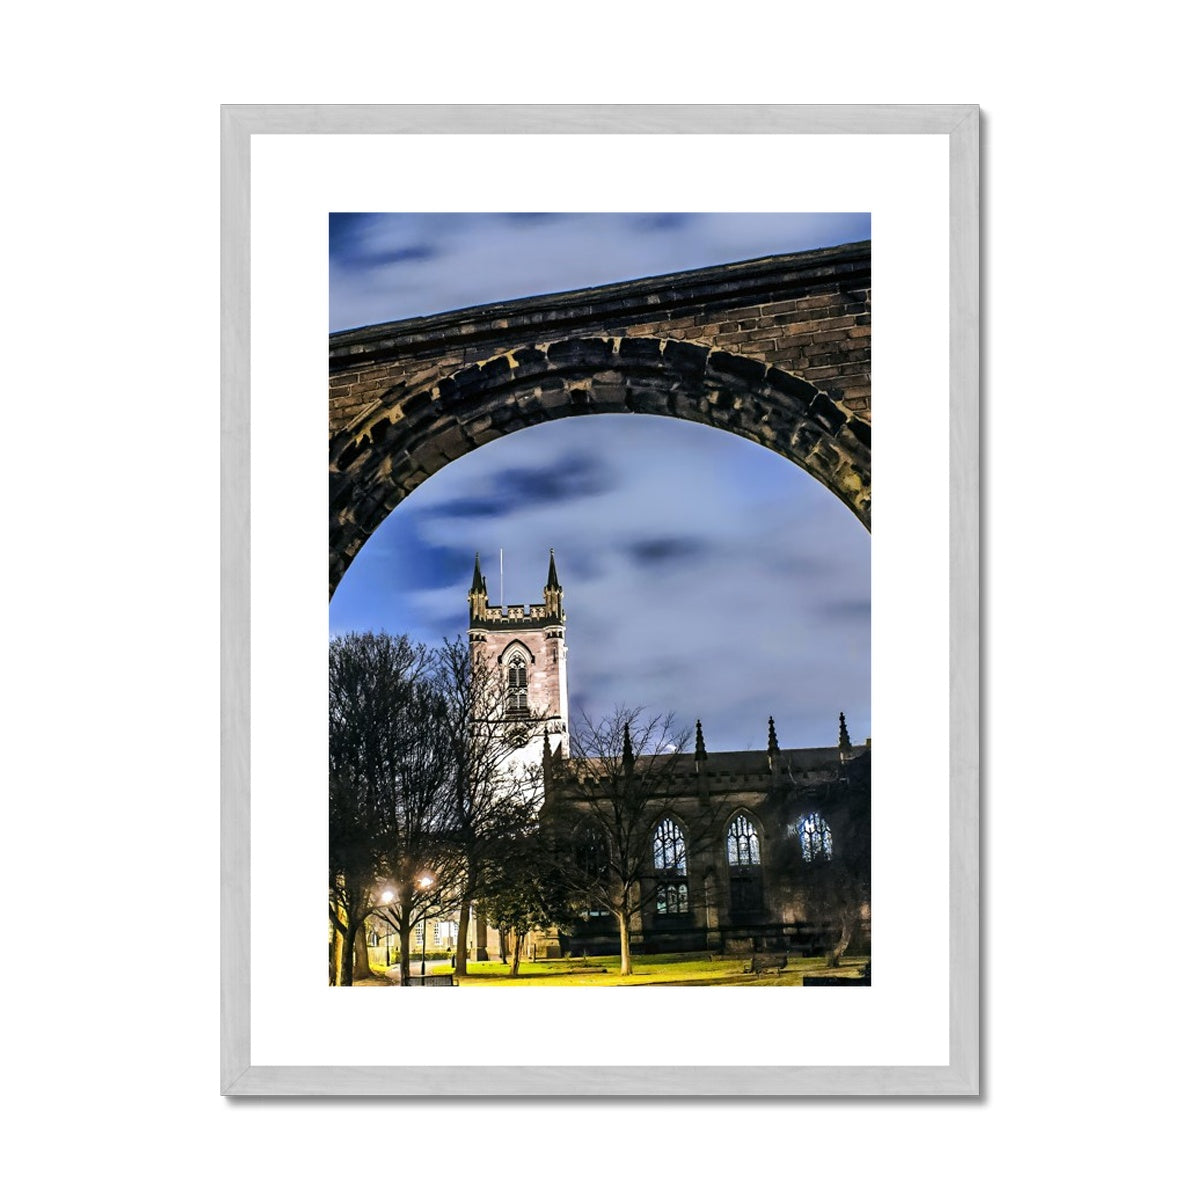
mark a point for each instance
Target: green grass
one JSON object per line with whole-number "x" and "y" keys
{"x": 687, "y": 969}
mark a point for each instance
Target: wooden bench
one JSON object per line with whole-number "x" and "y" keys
{"x": 766, "y": 962}
{"x": 432, "y": 981}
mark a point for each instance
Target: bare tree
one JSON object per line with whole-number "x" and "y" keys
{"x": 604, "y": 805}
{"x": 494, "y": 799}
{"x": 423, "y": 861}
{"x": 422, "y": 791}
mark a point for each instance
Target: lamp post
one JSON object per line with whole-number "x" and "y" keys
{"x": 424, "y": 883}
{"x": 387, "y": 898}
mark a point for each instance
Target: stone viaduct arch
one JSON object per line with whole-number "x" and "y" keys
{"x": 776, "y": 350}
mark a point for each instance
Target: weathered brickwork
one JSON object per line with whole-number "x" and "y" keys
{"x": 777, "y": 350}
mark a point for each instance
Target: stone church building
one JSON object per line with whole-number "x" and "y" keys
{"x": 753, "y": 849}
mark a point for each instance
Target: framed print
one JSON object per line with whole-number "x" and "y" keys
{"x": 733, "y": 849}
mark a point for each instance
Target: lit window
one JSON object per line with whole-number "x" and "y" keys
{"x": 670, "y": 863}
{"x": 670, "y": 852}
{"x": 742, "y": 843}
{"x": 816, "y": 842}
{"x": 745, "y": 866}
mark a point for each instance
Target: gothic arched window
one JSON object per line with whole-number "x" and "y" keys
{"x": 670, "y": 850}
{"x": 592, "y": 861}
{"x": 742, "y": 843}
{"x": 745, "y": 866}
{"x": 518, "y": 685}
{"x": 670, "y": 865}
{"x": 816, "y": 841}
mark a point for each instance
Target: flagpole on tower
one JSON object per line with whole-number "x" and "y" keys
{"x": 501, "y": 576}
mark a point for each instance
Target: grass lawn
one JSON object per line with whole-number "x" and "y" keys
{"x": 689, "y": 970}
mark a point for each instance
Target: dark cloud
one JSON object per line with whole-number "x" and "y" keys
{"x": 354, "y": 244}
{"x": 654, "y": 551}
{"x": 661, "y": 222}
{"x": 466, "y": 507}
{"x": 402, "y": 254}
{"x": 344, "y": 232}
{"x": 570, "y": 477}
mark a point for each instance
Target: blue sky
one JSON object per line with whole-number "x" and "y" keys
{"x": 702, "y": 574}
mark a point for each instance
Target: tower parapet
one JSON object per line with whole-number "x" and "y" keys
{"x": 548, "y": 615}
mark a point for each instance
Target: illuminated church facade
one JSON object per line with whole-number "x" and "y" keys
{"x": 751, "y": 849}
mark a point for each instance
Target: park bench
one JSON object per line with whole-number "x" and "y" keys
{"x": 863, "y": 979}
{"x": 432, "y": 981}
{"x": 765, "y": 962}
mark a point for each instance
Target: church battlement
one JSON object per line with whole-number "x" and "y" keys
{"x": 547, "y": 616}
{"x": 727, "y": 772}
{"x": 516, "y": 616}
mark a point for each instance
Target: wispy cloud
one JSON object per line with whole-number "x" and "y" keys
{"x": 389, "y": 266}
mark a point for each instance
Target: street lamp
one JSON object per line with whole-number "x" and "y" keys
{"x": 387, "y": 898}
{"x": 424, "y": 883}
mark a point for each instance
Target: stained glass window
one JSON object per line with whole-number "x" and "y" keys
{"x": 745, "y": 865}
{"x": 670, "y": 861}
{"x": 672, "y": 898}
{"x": 742, "y": 843}
{"x": 670, "y": 852}
{"x": 816, "y": 841}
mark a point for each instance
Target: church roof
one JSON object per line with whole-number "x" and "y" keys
{"x": 743, "y": 763}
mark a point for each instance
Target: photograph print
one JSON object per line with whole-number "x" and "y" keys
{"x": 599, "y": 687}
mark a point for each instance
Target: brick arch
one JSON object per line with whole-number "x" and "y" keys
{"x": 412, "y": 432}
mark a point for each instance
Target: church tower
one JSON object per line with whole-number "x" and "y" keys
{"x": 524, "y": 644}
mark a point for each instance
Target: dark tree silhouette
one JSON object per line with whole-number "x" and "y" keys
{"x": 372, "y": 680}
{"x": 522, "y": 889}
{"x": 494, "y": 799}
{"x": 835, "y": 886}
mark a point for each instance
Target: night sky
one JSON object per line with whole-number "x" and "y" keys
{"x": 702, "y": 574}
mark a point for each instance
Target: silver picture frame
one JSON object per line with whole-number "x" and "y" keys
{"x": 239, "y": 1075}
